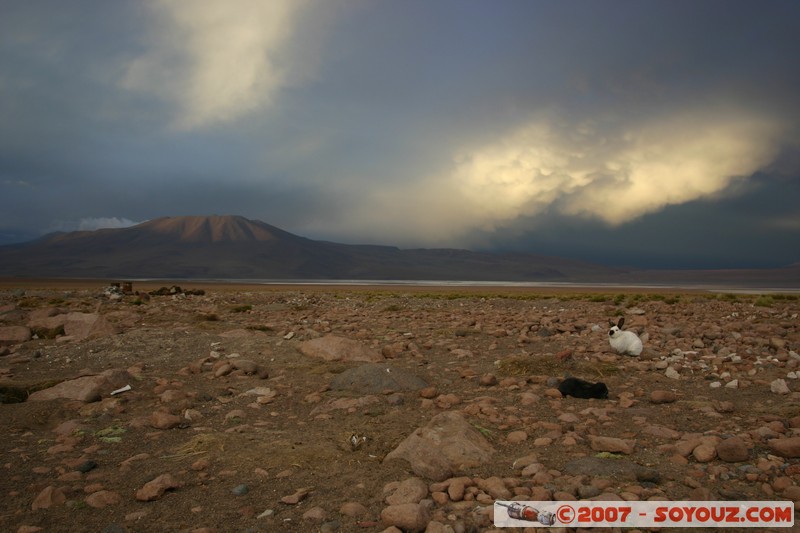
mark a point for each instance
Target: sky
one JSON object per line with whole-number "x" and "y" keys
{"x": 643, "y": 133}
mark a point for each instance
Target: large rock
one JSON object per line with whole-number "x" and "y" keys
{"x": 733, "y": 450}
{"x": 447, "y": 444}
{"x": 48, "y": 318}
{"x": 155, "y": 489}
{"x": 333, "y": 348}
{"x": 84, "y": 389}
{"x": 79, "y": 326}
{"x": 406, "y": 516}
{"x": 612, "y": 444}
{"x": 788, "y": 447}
{"x": 376, "y": 378}
{"x": 14, "y": 334}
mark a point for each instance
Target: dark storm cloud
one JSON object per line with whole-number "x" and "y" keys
{"x": 577, "y": 128}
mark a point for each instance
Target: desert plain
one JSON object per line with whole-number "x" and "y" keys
{"x": 248, "y": 408}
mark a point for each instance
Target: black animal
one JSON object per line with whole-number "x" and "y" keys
{"x": 583, "y": 389}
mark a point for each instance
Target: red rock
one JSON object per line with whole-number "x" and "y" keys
{"x": 406, "y": 516}
{"x": 704, "y": 453}
{"x": 79, "y": 326}
{"x": 155, "y": 489}
{"x": 611, "y": 444}
{"x": 446, "y": 444}
{"x": 298, "y": 496}
{"x": 14, "y": 334}
{"x": 353, "y": 509}
{"x": 85, "y": 389}
{"x": 663, "y": 396}
{"x": 487, "y": 380}
{"x": 515, "y": 437}
{"x": 49, "y": 497}
{"x": 432, "y": 392}
{"x": 316, "y": 514}
{"x": 411, "y": 490}
{"x": 789, "y": 447}
{"x": 733, "y": 450}
{"x": 456, "y": 488}
{"x": 495, "y": 487}
{"x": 103, "y": 498}
{"x": 162, "y": 420}
{"x": 333, "y": 348}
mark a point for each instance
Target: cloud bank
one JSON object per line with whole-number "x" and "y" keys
{"x": 591, "y": 170}
{"x": 215, "y": 61}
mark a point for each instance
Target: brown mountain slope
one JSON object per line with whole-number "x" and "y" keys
{"x": 233, "y": 247}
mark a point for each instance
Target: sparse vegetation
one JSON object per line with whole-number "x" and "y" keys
{"x": 764, "y": 300}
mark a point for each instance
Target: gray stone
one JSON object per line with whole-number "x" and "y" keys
{"x": 616, "y": 468}
{"x": 376, "y": 378}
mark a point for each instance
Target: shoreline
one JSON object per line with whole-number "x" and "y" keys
{"x": 415, "y": 286}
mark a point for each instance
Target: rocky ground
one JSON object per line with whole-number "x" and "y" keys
{"x": 382, "y": 409}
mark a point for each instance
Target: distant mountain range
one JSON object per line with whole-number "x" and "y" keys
{"x": 233, "y": 247}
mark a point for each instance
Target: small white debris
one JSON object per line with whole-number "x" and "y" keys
{"x": 715, "y": 384}
{"x": 672, "y": 373}
{"x": 126, "y": 388}
{"x": 733, "y": 384}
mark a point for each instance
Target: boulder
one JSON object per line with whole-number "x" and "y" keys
{"x": 84, "y": 389}
{"x": 447, "y": 444}
{"x": 79, "y": 326}
{"x": 375, "y": 378}
{"x": 333, "y": 348}
{"x": 14, "y": 334}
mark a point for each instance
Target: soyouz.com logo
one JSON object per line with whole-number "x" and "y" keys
{"x": 644, "y": 514}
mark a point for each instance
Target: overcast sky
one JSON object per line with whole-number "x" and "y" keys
{"x": 638, "y": 132}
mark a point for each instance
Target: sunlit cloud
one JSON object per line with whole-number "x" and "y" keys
{"x": 215, "y": 61}
{"x": 613, "y": 175}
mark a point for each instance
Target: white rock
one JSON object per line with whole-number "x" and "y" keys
{"x": 779, "y": 386}
{"x": 733, "y": 384}
{"x": 672, "y": 373}
{"x": 715, "y": 384}
{"x": 792, "y": 375}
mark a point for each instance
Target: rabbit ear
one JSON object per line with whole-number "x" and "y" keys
{"x": 621, "y": 321}
{"x": 610, "y": 322}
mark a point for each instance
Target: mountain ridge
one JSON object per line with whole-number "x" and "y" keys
{"x": 234, "y": 247}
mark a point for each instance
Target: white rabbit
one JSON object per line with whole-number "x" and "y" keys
{"x": 624, "y": 342}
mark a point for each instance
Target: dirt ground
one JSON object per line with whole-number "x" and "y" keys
{"x": 278, "y": 445}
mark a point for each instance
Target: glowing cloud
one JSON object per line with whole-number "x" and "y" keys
{"x": 215, "y": 60}
{"x": 590, "y": 171}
